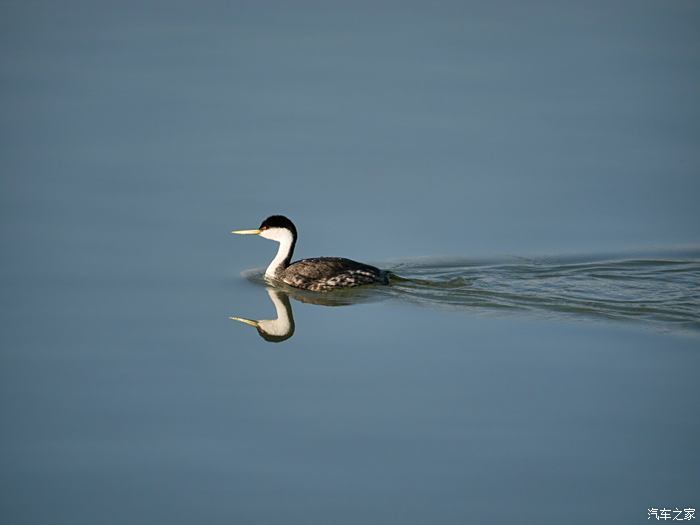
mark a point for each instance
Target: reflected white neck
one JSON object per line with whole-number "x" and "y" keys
{"x": 280, "y": 326}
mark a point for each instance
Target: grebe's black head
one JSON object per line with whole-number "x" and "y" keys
{"x": 280, "y": 229}
{"x": 276, "y": 227}
{"x": 278, "y": 221}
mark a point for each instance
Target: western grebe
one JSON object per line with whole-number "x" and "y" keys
{"x": 319, "y": 274}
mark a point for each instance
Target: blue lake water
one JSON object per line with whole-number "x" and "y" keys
{"x": 529, "y": 170}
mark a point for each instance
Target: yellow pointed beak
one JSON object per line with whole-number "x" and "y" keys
{"x": 245, "y": 321}
{"x": 246, "y": 232}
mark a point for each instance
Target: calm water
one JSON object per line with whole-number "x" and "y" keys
{"x": 529, "y": 171}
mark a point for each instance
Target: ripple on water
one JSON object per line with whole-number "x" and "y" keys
{"x": 662, "y": 289}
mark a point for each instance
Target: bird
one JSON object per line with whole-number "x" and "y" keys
{"x": 319, "y": 274}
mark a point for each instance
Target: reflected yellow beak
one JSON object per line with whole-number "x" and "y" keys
{"x": 246, "y": 232}
{"x": 245, "y": 321}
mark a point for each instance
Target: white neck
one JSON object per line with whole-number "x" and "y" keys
{"x": 286, "y": 240}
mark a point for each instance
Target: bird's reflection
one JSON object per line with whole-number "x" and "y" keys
{"x": 274, "y": 330}
{"x": 282, "y": 328}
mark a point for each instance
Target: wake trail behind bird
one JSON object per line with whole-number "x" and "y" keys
{"x": 662, "y": 289}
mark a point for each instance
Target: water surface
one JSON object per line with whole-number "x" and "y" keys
{"x": 458, "y": 144}
{"x": 660, "y": 290}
